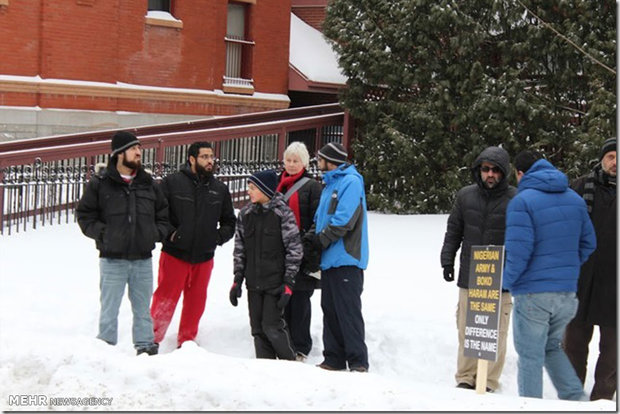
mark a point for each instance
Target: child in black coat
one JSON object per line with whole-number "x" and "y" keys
{"x": 268, "y": 252}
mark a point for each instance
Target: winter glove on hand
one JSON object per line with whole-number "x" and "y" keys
{"x": 285, "y": 296}
{"x": 312, "y": 257}
{"x": 448, "y": 273}
{"x": 313, "y": 241}
{"x": 235, "y": 292}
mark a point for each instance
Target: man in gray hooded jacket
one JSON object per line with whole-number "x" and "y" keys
{"x": 478, "y": 217}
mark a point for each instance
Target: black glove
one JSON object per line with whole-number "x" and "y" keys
{"x": 313, "y": 241}
{"x": 312, "y": 257}
{"x": 448, "y": 273}
{"x": 285, "y": 296}
{"x": 235, "y": 292}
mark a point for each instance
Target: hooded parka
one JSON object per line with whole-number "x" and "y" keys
{"x": 478, "y": 216}
{"x": 548, "y": 234}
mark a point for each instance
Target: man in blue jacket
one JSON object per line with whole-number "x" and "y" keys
{"x": 341, "y": 232}
{"x": 548, "y": 237}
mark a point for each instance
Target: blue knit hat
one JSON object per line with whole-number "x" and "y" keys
{"x": 266, "y": 181}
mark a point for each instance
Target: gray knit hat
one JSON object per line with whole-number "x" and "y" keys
{"x": 608, "y": 145}
{"x": 334, "y": 153}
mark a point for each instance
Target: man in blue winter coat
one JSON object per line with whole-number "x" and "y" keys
{"x": 549, "y": 236}
{"x": 341, "y": 233}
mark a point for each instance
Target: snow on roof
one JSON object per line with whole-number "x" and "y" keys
{"x": 311, "y": 54}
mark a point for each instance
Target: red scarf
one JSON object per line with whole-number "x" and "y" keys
{"x": 286, "y": 182}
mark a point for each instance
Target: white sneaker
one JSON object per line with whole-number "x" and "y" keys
{"x": 301, "y": 357}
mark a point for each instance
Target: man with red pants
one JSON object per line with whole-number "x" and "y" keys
{"x": 202, "y": 214}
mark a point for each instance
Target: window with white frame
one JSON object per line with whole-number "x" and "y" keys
{"x": 238, "y": 50}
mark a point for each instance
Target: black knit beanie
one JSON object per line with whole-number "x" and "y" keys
{"x": 334, "y": 153}
{"x": 266, "y": 181}
{"x": 122, "y": 141}
{"x": 525, "y": 159}
{"x": 608, "y": 145}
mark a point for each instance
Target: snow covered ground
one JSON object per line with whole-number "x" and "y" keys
{"x": 49, "y": 286}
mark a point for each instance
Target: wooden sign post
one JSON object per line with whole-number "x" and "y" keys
{"x": 483, "y": 309}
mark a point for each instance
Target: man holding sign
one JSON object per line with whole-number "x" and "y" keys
{"x": 478, "y": 218}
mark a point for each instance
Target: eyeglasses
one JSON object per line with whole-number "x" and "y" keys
{"x": 486, "y": 169}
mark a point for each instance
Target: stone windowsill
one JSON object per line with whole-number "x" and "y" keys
{"x": 238, "y": 89}
{"x": 163, "y": 19}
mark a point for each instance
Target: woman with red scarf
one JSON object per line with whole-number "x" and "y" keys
{"x": 302, "y": 193}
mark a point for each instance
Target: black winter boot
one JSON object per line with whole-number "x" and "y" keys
{"x": 149, "y": 350}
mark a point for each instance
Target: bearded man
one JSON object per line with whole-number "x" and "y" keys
{"x": 124, "y": 211}
{"x": 202, "y": 214}
{"x": 478, "y": 218}
{"x": 598, "y": 279}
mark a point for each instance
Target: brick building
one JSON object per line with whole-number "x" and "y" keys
{"x": 79, "y": 65}
{"x": 310, "y": 11}
{"x": 192, "y": 58}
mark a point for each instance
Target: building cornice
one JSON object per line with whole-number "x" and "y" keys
{"x": 36, "y": 85}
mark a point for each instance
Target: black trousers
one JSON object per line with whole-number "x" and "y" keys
{"x": 576, "y": 341}
{"x": 297, "y": 315}
{"x": 343, "y": 324}
{"x": 271, "y": 337}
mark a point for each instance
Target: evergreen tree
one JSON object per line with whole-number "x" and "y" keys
{"x": 432, "y": 83}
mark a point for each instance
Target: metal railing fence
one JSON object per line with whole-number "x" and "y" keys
{"x": 42, "y": 184}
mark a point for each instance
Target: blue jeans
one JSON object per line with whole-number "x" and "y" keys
{"x": 539, "y": 322}
{"x": 138, "y": 275}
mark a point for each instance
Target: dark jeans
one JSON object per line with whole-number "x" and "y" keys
{"x": 343, "y": 324}
{"x": 271, "y": 337}
{"x": 297, "y": 315}
{"x": 576, "y": 342}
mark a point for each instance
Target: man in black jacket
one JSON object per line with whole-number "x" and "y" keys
{"x": 125, "y": 212}
{"x": 478, "y": 217}
{"x": 201, "y": 211}
{"x": 597, "y": 286}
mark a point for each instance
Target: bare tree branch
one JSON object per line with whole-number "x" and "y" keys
{"x": 567, "y": 39}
